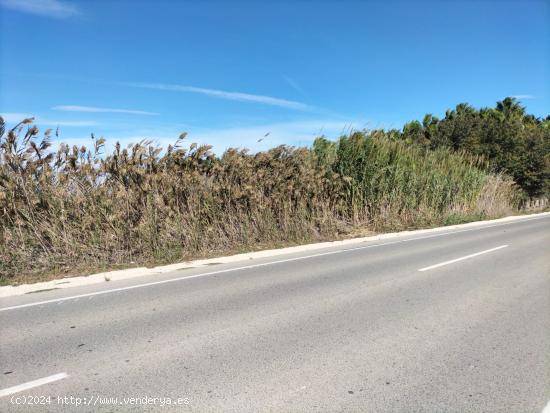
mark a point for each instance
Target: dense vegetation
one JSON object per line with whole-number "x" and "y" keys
{"x": 77, "y": 209}
{"x": 513, "y": 141}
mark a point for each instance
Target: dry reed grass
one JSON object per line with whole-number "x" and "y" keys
{"x": 75, "y": 210}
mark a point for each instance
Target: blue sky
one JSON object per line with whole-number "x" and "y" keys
{"x": 230, "y": 72}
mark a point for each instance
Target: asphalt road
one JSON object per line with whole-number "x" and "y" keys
{"x": 358, "y": 329}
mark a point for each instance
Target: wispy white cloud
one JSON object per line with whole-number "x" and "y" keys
{"x": 295, "y": 133}
{"x": 298, "y": 133}
{"x": 294, "y": 85}
{"x": 520, "y": 97}
{"x": 222, "y": 94}
{"x": 50, "y": 8}
{"x": 92, "y": 109}
{"x": 14, "y": 117}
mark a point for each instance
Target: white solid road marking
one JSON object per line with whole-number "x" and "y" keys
{"x": 131, "y": 287}
{"x": 546, "y": 408}
{"x": 60, "y": 300}
{"x": 188, "y": 277}
{"x": 441, "y": 264}
{"x": 32, "y": 384}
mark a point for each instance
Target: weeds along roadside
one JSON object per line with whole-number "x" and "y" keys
{"x": 75, "y": 209}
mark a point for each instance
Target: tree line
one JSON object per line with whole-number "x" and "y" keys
{"x": 513, "y": 141}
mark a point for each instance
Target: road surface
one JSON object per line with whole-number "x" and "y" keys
{"x": 457, "y": 321}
